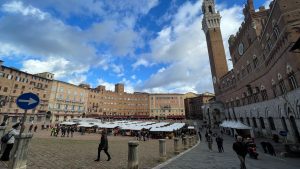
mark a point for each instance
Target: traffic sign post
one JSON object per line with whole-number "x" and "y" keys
{"x": 25, "y": 101}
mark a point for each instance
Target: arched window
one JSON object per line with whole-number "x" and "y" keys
{"x": 255, "y": 61}
{"x": 271, "y": 123}
{"x": 282, "y": 86}
{"x": 248, "y": 121}
{"x": 264, "y": 94}
{"x": 292, "y": 81}
{"x": 262, "y": 123}
{"x": 210, "y": 9}
{"x": 284, "y": 124}
{"x": 275, "y": 29}
{"x": 242, "y": 119}
{"x": 254, "y": 122}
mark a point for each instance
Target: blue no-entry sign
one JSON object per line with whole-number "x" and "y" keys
{"x": 28, "y": 101}
{"x": 283, "y": 133}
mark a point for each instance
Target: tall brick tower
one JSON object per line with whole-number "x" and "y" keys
{"x": 211, "y": 27}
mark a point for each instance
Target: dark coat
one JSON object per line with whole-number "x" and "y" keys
{"x": 103, "y": 142}
{"x": 240, "y": 148}
{"x": 219, "y": 141}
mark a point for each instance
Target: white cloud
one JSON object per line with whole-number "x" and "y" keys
{"x": 8, "y": 50}
{"x": 234, "y": 16}
{"x": 62, "y": 69}
{"x": 78, "y": 79}
{"x": 118, "y": 69}
{"x": 267, "y": 3}
{"x": 18, "y": 7}
{"x": 108, "y": 86}
{"x": 182, "y": 46}
{"x": 140, "y": 62}
{"x": 133, "y": 77}
{"x": 37, "y": 37}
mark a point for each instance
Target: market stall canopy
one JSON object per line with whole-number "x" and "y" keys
{"x": 191, "y": 127}
{"x": 170, "y": 128}
{"x": 68, "y": 123}
{"x": 234, "y": 124}
{"x": 86, "y": 125}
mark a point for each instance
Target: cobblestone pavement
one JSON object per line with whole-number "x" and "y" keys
{"x": 79, "y": 152}
{"x": 201, "y": 158}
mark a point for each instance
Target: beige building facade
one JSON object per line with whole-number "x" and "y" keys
{"x": 67, "y": 101}
{"x": 13, "y": 83}
{"x": 117, "y": 104}
{"x": 167, "y": 106}
{"x": 61, "y": 101}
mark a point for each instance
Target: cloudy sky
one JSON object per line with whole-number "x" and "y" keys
{"x": 149, "y": 45}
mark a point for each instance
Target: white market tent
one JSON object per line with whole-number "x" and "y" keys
{"x": 191, "y": 127}
{"x": 68, "y": 123}
{"x": 86, "y": 125}
{"x": 238, "y": 127}
{"x": 234, "y": 125}
{"x": 170, "y": 128}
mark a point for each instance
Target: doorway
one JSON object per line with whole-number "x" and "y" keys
{"x": 295, "y": 128}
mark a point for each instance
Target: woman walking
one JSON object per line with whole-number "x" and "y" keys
{"x": 103, "y": 146}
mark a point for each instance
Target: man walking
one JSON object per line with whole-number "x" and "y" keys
{"x": 103, "y": 146}
{"x": 209, "y": 142}
{"x": 241, "y": 150}
{"x": 219, "y": 141}
{"x": 200, "y": 137}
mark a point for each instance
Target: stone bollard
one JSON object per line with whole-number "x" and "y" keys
{"x": 185, "y": 146}
{"x": 19, "y": 157}
{"x": 2, "y": 132}
{"x": 162, "y": 150}
{"x": 176, "y": 149}
{"x": 190, "y": 141}
{"x": 133, "y": 161}
{"x": 195, "y": 139}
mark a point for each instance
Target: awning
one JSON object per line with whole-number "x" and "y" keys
{"x": 68, "y": 123}
{"x": 86, "y": 125}
{"x": 234, "y": 124}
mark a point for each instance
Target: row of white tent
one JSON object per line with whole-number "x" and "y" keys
{"x": 128, "y": 125}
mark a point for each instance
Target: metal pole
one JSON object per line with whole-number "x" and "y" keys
{"x": 21, "y": 131}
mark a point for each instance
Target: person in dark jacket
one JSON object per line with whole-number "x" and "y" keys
{"x": 219, "y": 141}
{"x": 270, "y": 149}
{"x": 241, "y": 150}
{"x": 103, "y": 146}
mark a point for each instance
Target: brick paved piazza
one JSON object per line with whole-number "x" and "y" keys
{"x": 79, "y": 152}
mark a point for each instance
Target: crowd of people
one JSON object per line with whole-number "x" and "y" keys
{"x": 55, "y": 130}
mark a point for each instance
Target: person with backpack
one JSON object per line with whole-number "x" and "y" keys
{"x": 9, "y": 140}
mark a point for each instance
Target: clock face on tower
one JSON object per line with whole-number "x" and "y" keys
{"x": 241, "y": 49}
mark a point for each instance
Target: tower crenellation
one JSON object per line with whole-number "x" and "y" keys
{"x": 212, "y": 17}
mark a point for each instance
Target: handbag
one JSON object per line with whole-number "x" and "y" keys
{"x": 6, "y": 137}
